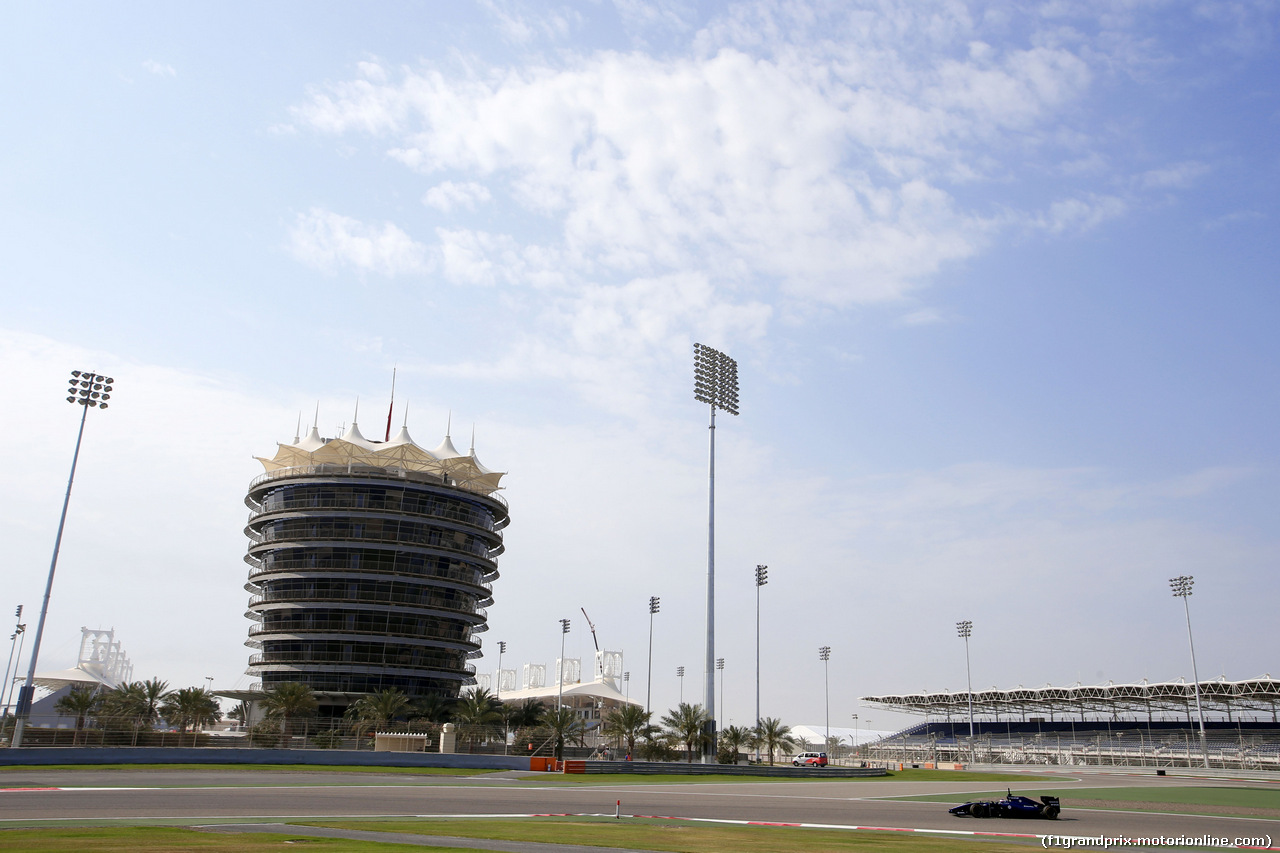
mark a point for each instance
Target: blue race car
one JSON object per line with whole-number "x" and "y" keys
{"x": 1011, "y": 806}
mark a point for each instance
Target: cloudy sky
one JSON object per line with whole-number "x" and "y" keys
{"x": 1000, "y": 278}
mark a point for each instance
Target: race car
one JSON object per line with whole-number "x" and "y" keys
{"x": 1011, "y": 806}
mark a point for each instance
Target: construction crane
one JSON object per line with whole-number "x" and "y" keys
{"x": 592, "y": 627}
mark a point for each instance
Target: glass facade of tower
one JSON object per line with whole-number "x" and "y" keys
{"x": 364, "y": 580}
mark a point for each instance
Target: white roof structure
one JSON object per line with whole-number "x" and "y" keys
{"x": 353, "y": 451}
{"x": 604, "y": 690}
{"x": 102, "y": 663}
{"x": 1168, "y": 697}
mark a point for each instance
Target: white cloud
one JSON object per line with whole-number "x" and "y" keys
{"x": 520, "y": 23}
{"x": 327, "y": 240}
{"x": 723, "y": 163}
{"x": 1080, "y": 214}
{"x": 160, "y": 69}
{"x": 1177, "y": 176}
{"x": 448, "y": 196}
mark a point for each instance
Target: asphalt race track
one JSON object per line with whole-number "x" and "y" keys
{"x": 193, "y": 797}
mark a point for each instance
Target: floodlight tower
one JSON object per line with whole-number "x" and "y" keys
{"x": 720, "y": 666}
{"x": 502, "y": 648}
{"x": 655, "y": 604}
{"x": 564, "y": 629}
{"x": 824, "y": 655}
{"x": 762, "y": 578}
{"x": 1181, "y": 586}
{"x": 715, "y": 382}
{"x": 88, "y": 390}
{"x": 680, "y": 675}
{"x": 964, "y": 629}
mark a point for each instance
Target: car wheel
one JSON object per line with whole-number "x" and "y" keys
{"x": 978, "y": 809}
{"x": 1051, "y": 812}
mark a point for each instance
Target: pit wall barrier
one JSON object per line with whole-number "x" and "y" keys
{"x": 681, "y": 768}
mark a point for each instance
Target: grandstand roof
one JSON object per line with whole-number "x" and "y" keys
{"x": 1218, "y": 696}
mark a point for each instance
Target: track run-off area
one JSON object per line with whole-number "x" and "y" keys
{"x": 1165, "y": 808}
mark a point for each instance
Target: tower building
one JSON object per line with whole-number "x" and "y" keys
{"x": 370, "y": 565}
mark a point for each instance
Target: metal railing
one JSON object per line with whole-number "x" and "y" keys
{"x": 341, "y": 627}
{"x": 469, "y": 578}
{"x": 340, "y": 597}
{"x": 1246, "y": 750}
{"x": 375, "y": 473}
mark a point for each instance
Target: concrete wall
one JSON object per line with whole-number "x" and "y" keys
{"x": 179, "y": 755}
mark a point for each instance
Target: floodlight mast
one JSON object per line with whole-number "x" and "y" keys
{"x": 564, "y": 629}
{"x": 88, "y": 390}
{"x": 715, "y": 382}
{"x": 1181, "y": 586}
{"x": 964, "y": 629}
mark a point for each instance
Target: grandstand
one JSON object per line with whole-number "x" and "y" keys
{"x": 1143, "y": 724}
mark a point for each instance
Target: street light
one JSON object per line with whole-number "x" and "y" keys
{"x": 502, "y": 648}
{"x": 564, "y": 629}
{"x": 1182, "y": 589}
{"x": 655, "y": 605}
{"x": 88, "y": 390}
{"x": 856, "y": 745}
{"x": 680, "y": 675}
{"x": 824, "y": 654}
{"x": 762, "y": 578}
{"x": 720, "y": 666}
{"x": 715, "y": 382}
{"x": 964, "y": 629}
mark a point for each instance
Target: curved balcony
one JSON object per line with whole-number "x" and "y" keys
{"x": 370, "y": 596}
{"x": 346, "y": 502}
{"x": 356, "y": 659}
{"x": 473, "y": 587}
{"x": 272, "y": 541}
{"x": 340, "y": 627}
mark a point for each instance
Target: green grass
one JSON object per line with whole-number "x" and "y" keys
{"x": 1254, "y": 798}
{"x": 171, "y": 840}
{"x": 674, "y": 836}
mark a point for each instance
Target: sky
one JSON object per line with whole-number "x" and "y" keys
{"x": 1000, "y": 279}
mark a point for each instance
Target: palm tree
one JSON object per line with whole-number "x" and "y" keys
{"x": 475, "y": 711}
{"x": 138, "y": 702}
{"x": 688, "y": 724}
{"x": 627, "y": 723}
{"x": 562, "y": 723}
{"x": 289, "y": 699}
{"x": 240, "y": 713}
{"x": 433, "y": 708}
{"x": 190, "y": 706}
{"x": 734, "y": 738}
{"x": 376, "y": 710}
{"x": 527, "y": 713}
{"x": 773, "y": 735}
{"x": 82, "y": 702}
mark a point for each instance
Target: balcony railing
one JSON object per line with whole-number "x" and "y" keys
{"x": 339, "y": 626}
{"x": 368, "y": 597}
{"x": 364, "y": 659}
{"x": 456, "y": 577}
{"x": 269, "y": 536}
{"x": 344, "y": 503}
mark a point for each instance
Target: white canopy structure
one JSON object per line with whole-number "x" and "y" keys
{"x": 354, "y": 452}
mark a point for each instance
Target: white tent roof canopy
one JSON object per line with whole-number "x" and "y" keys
{"x": 401, "y": 453}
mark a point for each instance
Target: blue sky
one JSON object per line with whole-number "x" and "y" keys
{"x": 1001, "y": 280}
